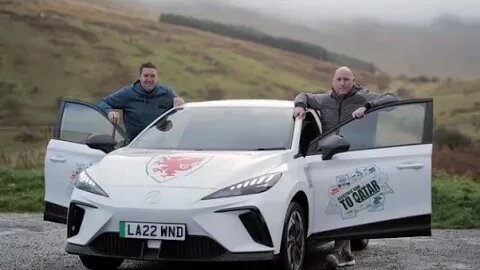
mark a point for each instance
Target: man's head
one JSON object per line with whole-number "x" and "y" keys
{"x": 343, "y": 81}
{"x": 148, "y": 76}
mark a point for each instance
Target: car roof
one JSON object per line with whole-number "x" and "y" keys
{"x": 273, "y": 103}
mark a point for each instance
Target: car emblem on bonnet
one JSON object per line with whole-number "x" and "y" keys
{"x": 153, "y": 197}
{"x": 166, "y": 167}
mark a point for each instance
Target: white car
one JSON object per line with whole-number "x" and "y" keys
{"x": 236, "y": 180}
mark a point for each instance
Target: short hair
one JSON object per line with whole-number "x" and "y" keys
{"x": 146, "y": 65}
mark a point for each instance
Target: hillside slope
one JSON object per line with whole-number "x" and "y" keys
{"x": 52, "y": 49}
{"x": 76, "y": 49}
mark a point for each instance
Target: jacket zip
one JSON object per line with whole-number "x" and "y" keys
{"x": 340, "y": 111}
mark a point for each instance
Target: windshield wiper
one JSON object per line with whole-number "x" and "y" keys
{"x": 270, "y": 149}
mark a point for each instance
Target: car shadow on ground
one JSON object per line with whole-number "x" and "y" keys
{"x": 315, "y": 260}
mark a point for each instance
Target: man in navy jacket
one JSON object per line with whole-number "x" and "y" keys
{"x": 141, "y": 102}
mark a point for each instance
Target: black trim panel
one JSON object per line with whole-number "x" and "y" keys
{"x": 428, "y": 124}
{"x": 402, "y": 227}
{"x": 55, "y": 213}
{"x": 75, "y": 219}
{"x": 254, "y": 223}
{"x": 83, "y": 204}
{"x": 58, "y": 123}
{"x": 226, "y": 257}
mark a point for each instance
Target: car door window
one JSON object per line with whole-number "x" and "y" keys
{"x": 79, "y": 121}
{"x": 387, "y": 127}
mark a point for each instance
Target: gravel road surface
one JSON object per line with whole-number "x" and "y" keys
{"x": 27, "y": 242}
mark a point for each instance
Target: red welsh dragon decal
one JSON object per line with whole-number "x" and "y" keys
{"x": 169, "y": 166}
{"x": 165, "y": 167}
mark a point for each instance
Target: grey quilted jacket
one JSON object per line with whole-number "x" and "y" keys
{"x": 334, "y": 109}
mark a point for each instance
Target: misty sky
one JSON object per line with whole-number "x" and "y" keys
{"x": 406, "y": 11}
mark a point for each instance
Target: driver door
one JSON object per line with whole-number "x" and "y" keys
{"x": 68, "y": 153}
{"x": 381, "y": 186}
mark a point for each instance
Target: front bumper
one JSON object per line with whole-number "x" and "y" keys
{"x": 238, "y": 228}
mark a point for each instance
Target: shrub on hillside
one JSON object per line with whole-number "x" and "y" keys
{"x": 28, "y": 135}
{"x": 248, "y": 34}
{"x": 383, "y": 81}
{"x": 404, "y": 93}
{"x": 450, "y": 138}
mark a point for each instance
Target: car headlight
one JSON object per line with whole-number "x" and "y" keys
{"x": 86, "y": 183}
{"x": 251, "y": 186}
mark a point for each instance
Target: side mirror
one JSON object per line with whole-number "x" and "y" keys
{"x": 105, "y": 143}
{"x": 332, "y": 145}
{"x": 164, "y": 126}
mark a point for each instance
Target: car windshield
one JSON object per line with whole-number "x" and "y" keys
{"x": 220, "y": 128}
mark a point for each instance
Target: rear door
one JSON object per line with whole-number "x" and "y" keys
{"x": 67, "y": 153}
{"x": 380, "y": 187}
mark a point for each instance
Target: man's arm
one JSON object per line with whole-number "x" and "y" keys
{"x": 375, "y": 99}
{"x": 177, "y": 101}
{"x": 116, "y": 100}
{"x": 308, "y": 100}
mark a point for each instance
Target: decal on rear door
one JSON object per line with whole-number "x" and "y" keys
{"x": 364, "y": 188}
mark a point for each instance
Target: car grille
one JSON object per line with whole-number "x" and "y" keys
{"x": 193, "y": 248}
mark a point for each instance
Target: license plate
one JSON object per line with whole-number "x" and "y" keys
{"x": 160, "y": 231}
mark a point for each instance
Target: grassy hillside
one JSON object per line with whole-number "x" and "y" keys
{"x": 73, "y": 49}
{"x": 76, "y": 49}
{"x": 456, "y": 103}
{"x": 249, "y": 34}
{"x": 446, "y": 47}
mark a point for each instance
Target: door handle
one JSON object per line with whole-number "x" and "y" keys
{"x": 410, "y": 165}
{"x": 58, "y": 159}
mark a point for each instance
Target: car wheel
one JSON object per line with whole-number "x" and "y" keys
{"x": 96, "y": 262}
{"x": 292, "y": 251}
{"x": 359, "y": 244}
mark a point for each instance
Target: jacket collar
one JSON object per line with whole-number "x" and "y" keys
{"x": 138, "y": 88}
{"x": 352, "y": 92}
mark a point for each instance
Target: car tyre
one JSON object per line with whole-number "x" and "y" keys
{"x": 97, "y": 262}
{"x": 359, "y": 244}
{"x": 293, "y": 248}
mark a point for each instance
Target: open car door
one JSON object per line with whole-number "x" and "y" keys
{"x": 82, "y": 136}
{"x": 372, "y": 176}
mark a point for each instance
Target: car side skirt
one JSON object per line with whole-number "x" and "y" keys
{"x": 55, "y": 213}
{"x": 403, "y": 227}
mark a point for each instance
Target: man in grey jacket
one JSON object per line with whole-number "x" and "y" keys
{"x": 344, "y": 100}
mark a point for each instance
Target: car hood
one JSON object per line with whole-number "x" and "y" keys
{"x": 182, "y": 169}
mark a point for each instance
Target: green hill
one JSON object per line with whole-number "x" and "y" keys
{"x": 52, "y": 49}
{"x": 75, "y": 49}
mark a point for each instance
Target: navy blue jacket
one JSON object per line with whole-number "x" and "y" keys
{"x": 139, "y": 107}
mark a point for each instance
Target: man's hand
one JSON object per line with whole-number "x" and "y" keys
{"x": 178, "y": 101}
{"x": 299, "y": 112}
{"x": 359, "y": 113}
{"x": 114, "y": 117}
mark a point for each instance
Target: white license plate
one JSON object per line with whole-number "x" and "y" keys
{"x": 160, "y": 231}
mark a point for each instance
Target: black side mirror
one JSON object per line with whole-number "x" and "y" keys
{"x": 164, "y": 126}
{"x": 105, "y": 143}
{"x": 332, "y": 145}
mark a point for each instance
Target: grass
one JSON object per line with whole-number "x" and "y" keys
{"x": 455, "y": 202}
{"x": 21, "y": 190}
{"x": 455, "y": 199}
